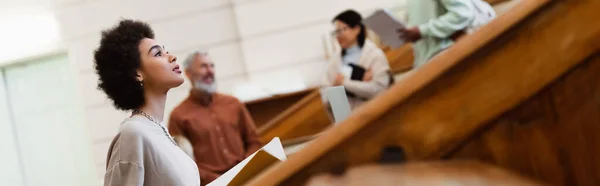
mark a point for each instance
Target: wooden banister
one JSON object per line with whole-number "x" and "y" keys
{"x": 436, "y": 108}
{"x": 400, "y": 59}
{"x": 265, "y": 109}
{"x": 305, "y": 118}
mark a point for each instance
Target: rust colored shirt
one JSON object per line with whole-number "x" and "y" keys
{"x": 220, "y": 129}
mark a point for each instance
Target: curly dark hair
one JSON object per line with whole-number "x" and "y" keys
{"x": 116, "y": 62}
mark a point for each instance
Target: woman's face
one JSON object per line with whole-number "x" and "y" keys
{"x": 158, "y": 69}
{"x": 345, "y": 35}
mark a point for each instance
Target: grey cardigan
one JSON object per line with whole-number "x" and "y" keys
{"x": 142, "y": 155}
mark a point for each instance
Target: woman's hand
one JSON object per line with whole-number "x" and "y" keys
{"x": 368, "y": 75}
{"x": 339, "y": 80}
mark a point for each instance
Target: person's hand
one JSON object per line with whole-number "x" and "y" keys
{"x": 339, "y": 80}
{"x": 410, "y": 35}
{"x": 368, "y": 75}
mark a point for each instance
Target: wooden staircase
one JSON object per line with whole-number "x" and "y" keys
{"x": 523, "y": 94}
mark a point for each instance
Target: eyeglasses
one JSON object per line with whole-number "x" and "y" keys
{"x": 339, "y": 31}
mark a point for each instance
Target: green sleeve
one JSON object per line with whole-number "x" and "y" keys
{"x": 459, "y": 16}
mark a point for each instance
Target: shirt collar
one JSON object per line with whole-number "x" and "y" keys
{"x": 202, "y": 98}
{"x": 353, "y": 49}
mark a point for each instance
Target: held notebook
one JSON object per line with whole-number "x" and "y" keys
{"x": 353, "y": 72}
{"x": 266, "y": 156}
{"x": 357, "y": 72}
{"x": 386, "y": 26}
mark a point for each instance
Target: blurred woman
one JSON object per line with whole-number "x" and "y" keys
{"x": 357, "y": 54}
{"x": 136, "y": 73}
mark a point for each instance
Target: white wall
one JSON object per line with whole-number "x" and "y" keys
{"x": 258, "y": 45}
{"x": 28, "y": 28}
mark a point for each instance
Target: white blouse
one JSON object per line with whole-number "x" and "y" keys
{"x": 143, "y": 155}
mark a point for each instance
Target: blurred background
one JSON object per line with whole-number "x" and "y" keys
{"x": 55, "y": 126}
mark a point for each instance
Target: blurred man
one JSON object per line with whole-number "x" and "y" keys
{"x": 219, "y": 128}
{"x": 436, "y": 24}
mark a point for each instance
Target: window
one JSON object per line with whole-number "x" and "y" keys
{"x": 48, "y": 131}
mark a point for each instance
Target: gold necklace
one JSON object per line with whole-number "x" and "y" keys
{"x": 157, "y": 123}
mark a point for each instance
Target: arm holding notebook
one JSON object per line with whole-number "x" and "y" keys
{"x": 368, "y": 75}
{"x": 330, "y": 74}
{"x": 339, "y": 79}
{"x": 458, "y": 17}
{"x": 460, "y": 14}
{"x": 380, "y": 79}
{"x": 248, "y": 131}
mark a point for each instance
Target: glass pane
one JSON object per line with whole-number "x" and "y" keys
{"x": 51, "y": 133}
{"x": 10, "y": 171}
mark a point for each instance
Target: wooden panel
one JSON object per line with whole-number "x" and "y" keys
{"x": 400, "y": 59}
{"x": 450, "y": 173}
{"x": 305, "y": 118}
{"x": 440, "y": 105}
{"x": 553, "y": 136}
{"x": 265, "y": 109}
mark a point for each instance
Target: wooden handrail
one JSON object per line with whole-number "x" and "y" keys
{"x": 372, "y": 112}
{"x": 288, "y": 112}
{"x": 280, "y": 95}
{"x": 400, "y": 59}
{"x": 265, "y": 109}
{"x": 283, "y": 124}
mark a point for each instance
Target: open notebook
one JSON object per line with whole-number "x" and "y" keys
{"x": 339, "y": 103}
{"x": 251, "y": 166}
{"x": 273, "y": 151}
{"x": 385, "y": 25}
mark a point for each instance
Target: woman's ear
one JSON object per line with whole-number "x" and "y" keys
{"x": 139, "y": 76}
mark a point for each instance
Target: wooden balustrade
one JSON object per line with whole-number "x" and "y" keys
{"x": 265, "y": 109}
{"x": 305, "y": 118}
{"x": 523, "y": 93}
{"x": 400, "y": 59}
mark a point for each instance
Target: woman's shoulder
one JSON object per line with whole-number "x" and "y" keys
{"x": 373, "y": 49}
{"x": 135, "y": 127}
{"x": 129, "y": 143}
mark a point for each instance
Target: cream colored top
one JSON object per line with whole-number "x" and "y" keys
{"x": 143, "y": 155}
{"x": 371, "y": 58}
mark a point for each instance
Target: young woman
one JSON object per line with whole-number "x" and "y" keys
{"x": 351, "y": 35}
{"x": 136, "y": 73}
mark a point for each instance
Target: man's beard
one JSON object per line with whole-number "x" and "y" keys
{"x": 208, "y": 88}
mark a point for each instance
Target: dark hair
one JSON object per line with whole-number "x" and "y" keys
{"x": 117, "y": 60}
{"x": 353, "y": 19}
